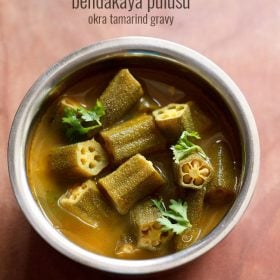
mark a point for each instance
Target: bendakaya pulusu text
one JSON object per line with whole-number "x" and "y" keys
{"x": 130, "y": 5}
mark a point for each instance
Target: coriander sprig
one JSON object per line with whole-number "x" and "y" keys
{"x": 175, "y": 219}
{"x": 80, "y": 121}
{"x": 184, "y": 147}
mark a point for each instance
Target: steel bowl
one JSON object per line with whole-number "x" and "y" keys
{"x": 56, "y": 75}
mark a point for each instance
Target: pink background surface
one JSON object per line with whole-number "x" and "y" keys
{"x": 242, "y": 37}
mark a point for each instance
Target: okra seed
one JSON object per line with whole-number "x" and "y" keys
{"x": 179, "y": 108}
{"x": 97, "y": 158}
{"x": 205, "y": 171}
{"x": 185, "y": 168}
{"x": 198, "y": 181}
{"x": 91, "y": 149}
{"x": 187, "y": 179}
{"x": 196, "y": 163}
{"x": 171, "y": 107}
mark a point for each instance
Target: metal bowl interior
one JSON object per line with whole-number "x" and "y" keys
{"x": 138, "y": 47}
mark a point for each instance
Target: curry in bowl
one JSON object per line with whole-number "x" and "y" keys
{"x": 135, "y": 162}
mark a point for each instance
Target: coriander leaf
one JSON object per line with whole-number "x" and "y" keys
{"x": 175, "y": 219}
{"x": 79, "y": 121}
{"x": 184, "y": 147}
{"x": 93, "y": 115}
{"x": 179, "y": 207}
{"x": 167, "y": 226}
{"x": 160, "y": 205}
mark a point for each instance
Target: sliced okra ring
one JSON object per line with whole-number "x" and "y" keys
{"x": 223, "y": 187}
{"x": 84, "y": 159}
{"x": 194, "y": 171}
{"x": 148, "y": 230}
{"x": 86, "y": 203}
{"x": 120, "y": 96}
{"x": 126, "y": 245}
{"x": 173, "y": 119}
{"x": 131, "y": 182}
{"x": 195, "y": 202}
{"x": 200, "y": 121}
{"x": 138, "y": 135}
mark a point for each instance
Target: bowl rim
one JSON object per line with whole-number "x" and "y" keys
{"x": 192, "y": 60}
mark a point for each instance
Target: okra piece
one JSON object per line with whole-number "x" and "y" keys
{"x": 195, "y": 202}
{"x": 194, "y": 171}
{"x": 148, "y": 230}
{"x": 200, "y": 121}
{"x": 81, "y": 160}
{"x": 120, "y": 96}
{"x": 223, "y": 187}
{"x": 126, "y": 245}
{"x": 87, "y": 203}
{"x": 173, "y": 119}
{"x": 132, "y": 181}
{"x": 187, "y": 238}
{"x": 138, "y": 135}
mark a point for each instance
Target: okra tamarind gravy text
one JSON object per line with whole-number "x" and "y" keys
{"x": 140, "y": 156}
